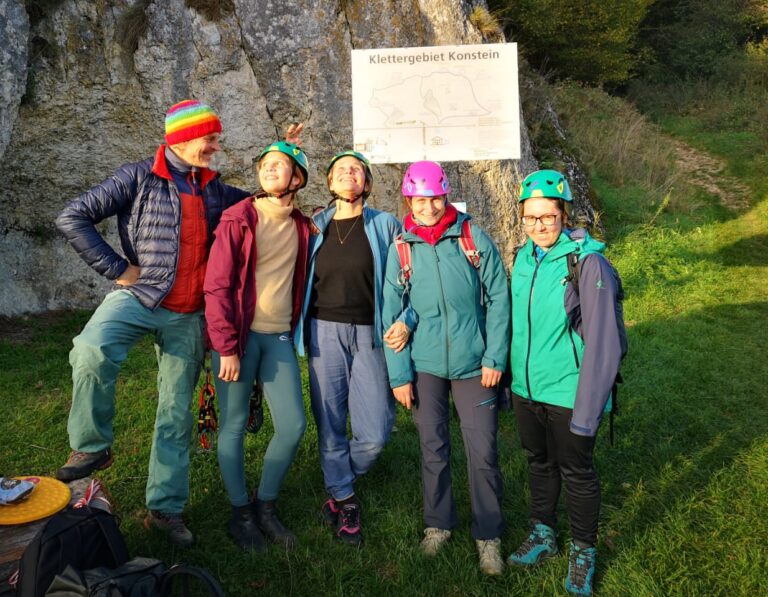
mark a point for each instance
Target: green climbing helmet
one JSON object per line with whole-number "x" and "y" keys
{"x": 366, "y": 164}
{"x": 550, "y": 184}
{"x": 294, "y": 152}
{"x": 355, "y": 154}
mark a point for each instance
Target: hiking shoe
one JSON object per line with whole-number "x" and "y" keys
{"x": 271, "y": 526}
{"x": 348, "y": 525}
{"x": 581, "y": 570}
{"x": 244, "y": 528}
{"x": 82, "y": 464}
{"x": 171, "y": 524}
{"x": 490, "y": 558}
{"x": 540, "y": 545}
{"x": 330, "y": 512}
{"x": 433, "y": 541}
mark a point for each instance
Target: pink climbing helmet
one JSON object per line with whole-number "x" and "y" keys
{"x": 425, "y": 179}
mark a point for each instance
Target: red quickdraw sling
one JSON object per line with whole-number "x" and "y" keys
{"x": 95, "y": 496}
{"x": 207, "y": 422}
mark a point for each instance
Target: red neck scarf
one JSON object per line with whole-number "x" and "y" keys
{"x": 432, "y": 234}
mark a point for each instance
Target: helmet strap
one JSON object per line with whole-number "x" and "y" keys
{"x": 288, "y": 190}
{"x": 338, "y": 197}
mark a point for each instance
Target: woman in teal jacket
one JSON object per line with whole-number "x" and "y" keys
{"x": 566, "y": 349}
{"x": 459, "y": 345}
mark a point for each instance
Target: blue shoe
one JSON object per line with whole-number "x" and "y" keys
{"x": 581, "y": 570}
{"x": 540, "y": 545}
{"x": 14, "y": 490}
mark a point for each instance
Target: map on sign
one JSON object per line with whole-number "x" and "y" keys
{"x": 438, "y": 103}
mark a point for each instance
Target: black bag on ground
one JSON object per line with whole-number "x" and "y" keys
{"x": 82, "y": 538}
{"x": 139, "y": 577}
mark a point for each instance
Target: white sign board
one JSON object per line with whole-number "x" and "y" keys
{"x": 439, "y": 103}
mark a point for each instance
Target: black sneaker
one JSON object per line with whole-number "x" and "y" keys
{"x": 329, "y": 512}
{"x": 171, "y": 524}
{"x": 82, "y": 464}
{"x": 348, "y": 525}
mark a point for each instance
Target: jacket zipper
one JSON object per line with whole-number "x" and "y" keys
{"x": 530, "y": 335}
{"x": 171, "y": 190}
{"x": 445, "y": 312}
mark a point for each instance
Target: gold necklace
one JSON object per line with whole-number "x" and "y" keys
{"x": 346, "y": 236}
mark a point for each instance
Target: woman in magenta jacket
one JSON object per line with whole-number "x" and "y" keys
{"x": 253, "y": 289}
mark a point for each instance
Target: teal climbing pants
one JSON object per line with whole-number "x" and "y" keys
{"x": 271, "y": 359}
{"x": 116, "y": 325}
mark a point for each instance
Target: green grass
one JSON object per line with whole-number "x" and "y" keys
{"x": 685, "y": 504}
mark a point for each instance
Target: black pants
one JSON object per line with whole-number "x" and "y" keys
{"x": 478, "y": 413}
{"x": 554, "y": 452}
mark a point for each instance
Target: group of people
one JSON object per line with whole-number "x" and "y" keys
{"x": 386, "y": 311}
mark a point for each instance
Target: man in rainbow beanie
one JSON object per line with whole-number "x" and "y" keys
{"x": 167, "y": 208}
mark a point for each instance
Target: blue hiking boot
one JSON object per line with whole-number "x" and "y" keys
{"x": 540, "y": 545}
{"x": 581, "y": 570}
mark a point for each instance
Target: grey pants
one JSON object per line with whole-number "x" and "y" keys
{"x": 478, "y": 414}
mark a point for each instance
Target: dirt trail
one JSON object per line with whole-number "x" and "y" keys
{"x": 706, "y": 172}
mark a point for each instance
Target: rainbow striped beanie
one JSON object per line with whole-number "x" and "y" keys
{"x": 189, "y": 120}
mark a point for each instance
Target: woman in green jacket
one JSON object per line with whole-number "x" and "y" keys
{"x": 457, "y": 301}
{"x": 567, "y": 343}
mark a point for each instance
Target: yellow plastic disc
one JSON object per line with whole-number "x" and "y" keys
{"x": 47, "y": 498}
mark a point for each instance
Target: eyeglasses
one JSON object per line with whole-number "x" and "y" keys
{"x": 546, "y": 219}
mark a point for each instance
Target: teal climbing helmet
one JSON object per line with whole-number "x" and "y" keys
{"x": 549, "y": 184}
{"x": 294, "y": 152}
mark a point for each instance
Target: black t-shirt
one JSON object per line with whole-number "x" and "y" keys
{"x": 343, "y": 281}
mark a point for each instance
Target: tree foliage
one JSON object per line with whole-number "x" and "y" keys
{"x": 685, "y": 39}
{"x": 587, "y": 40}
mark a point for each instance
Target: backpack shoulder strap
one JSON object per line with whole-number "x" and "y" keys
{"x": 573, "y": 270}
{"x": 114, "y": 539}
{"x": 467, "y": 244}
{"x": 406, "y": 259}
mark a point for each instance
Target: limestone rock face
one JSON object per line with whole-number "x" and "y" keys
{"x": 91, "y": 80}
{"x": 14, "y": 33}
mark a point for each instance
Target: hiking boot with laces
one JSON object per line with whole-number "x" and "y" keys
{"x": 330, "y": 512}
{"x": 348, "y": 525}
{"x": 434, "y": 540}
{"x": 244, "y": 529}
{"x": 271, "y": 525}
{"x": 172, "y": 525}
{"x": 82, "y": 464}
{"x": 581, "y": 570}
{"x": 540, "y": 545}
{"x": 490, "y": 558}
